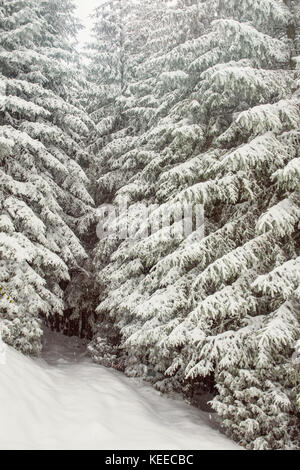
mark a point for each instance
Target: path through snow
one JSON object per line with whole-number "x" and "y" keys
{"x": 64, "y": 401}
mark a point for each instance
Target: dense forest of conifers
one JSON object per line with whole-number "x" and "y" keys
{"x": 176, "y": 103}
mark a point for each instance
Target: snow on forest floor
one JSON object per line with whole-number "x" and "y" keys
{"x": 64, "y": 401}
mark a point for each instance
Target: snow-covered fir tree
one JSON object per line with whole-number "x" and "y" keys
{"x": 144, "y": 100}
{"x": 45, "y": 206}
{"x": 120, "y": 29}
{"x": 223, "y": 131}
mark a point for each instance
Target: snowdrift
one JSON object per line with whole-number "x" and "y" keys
{"x": 64, "y": 401}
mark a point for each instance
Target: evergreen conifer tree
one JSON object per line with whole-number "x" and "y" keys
{"x": 45, "y": 207}
{"x": 223, "y": 132}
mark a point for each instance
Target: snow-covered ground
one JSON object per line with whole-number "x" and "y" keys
{"x": 64, "y": 401}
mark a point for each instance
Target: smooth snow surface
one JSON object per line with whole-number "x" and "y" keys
{"x": 64, "y": 401}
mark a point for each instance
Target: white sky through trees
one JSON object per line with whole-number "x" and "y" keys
{"x": 84, "y": 10}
